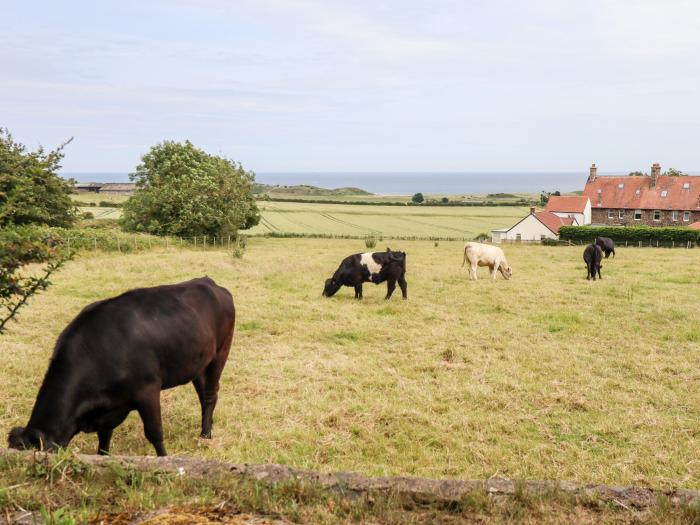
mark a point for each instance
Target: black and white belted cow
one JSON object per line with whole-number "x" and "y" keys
{"x": 369, "y": 267}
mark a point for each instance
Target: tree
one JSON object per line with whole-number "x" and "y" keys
{"x": 673, "y": 172}
{"x": 545, "y": 195}
{"x": 418, "y": 198}
{"x": 182, "y": 190}
{"x": 444, "y": 200}
{"x": 637, "y": 174}
{"x": 31, "y": 192}
{"x": 20, "y": 246}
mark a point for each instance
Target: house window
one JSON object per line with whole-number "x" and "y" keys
{"x": 637, "y": 193}
{"x": 686, "y": 186}
{"x": 686, "y": 216}
{"x": 621, "y": 214}
{"x": 637, "y": 215}
{"x": 518, "y": 237}
{"x": 664, "y": 193}
{"x": 621, "y": 185}
{"x": 674, "y": 215}
{"x": 657, "y": 215}
{"x": 611, "y": 214}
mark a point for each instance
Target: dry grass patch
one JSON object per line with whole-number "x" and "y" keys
{"x": 544, "y": 376}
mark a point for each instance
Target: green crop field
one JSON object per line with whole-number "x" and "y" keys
{"x": 545, "y": 376}
{"x": 387, "y": 221}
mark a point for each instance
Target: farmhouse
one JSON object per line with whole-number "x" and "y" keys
{"x": 536, "y": 226}
{"x": 560, "y": 211}
{"x": 654, "y": 200}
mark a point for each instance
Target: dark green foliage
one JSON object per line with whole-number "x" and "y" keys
{"x": 109, "y": 204}
{"x": 673, "y": 172}
{"x": 31, "y": 192}
{"x": 637, "y": 174}
{"x": 444, "y": 200}
{"x": 632, "y": 234}
{"x": 20, "y": 246}
{"x": 417, "y": 198}
{"x": 545, "y": 195}
{"x": 182, "y": 190}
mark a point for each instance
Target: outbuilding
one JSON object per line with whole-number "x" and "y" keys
{"x": 536, "y": 226}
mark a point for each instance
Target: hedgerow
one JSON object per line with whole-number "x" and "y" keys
{"x": 645, "y": 234}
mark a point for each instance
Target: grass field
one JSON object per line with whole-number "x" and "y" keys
{"x": 387, "y": 221}
{"x": 545, "y": 376}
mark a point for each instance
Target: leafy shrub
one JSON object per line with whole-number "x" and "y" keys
{"x": 88, "y": 215}
{"x": 633, "y": 234}
{"x": 110, "y": 204}
{"x": 370, "y": 242}
{"x": 482, "y": 237}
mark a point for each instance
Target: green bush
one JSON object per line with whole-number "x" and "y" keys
{"x": 633, "y": 234}
{"x": 110, "y": 204}
{"x": 370, "y": 242}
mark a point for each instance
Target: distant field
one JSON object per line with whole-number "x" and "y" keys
{"x": 97, "y": 197}
{"x": 469, "y": 197}
{"x": 388, "y": 221}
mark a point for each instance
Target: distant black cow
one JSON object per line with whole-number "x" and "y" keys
{"x": 593, "y": 256}
{"x": 369, "y": 267}
{"x": 118, "y": 354}
{"x": 607, "y": 245}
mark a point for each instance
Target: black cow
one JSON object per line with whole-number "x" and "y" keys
{"x": 369, "y": 267}
{"x": 593, "y": 256}
{"x": 118, "y": 354}
{"x": 607, "y": 245}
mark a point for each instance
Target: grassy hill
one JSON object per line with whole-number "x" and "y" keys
{"x": 305, "y": 190}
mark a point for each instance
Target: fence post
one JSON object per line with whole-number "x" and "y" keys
{"x": 205, "y": 242}
{"x": 229, "y": 242}
{"x": 166, "y": 243}
{"x": 195, "y": 242}
{"x": 94, "y": 242}
{"x": 119, "y": 245}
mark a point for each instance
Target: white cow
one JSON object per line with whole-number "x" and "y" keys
{"x": 486, "y": 255}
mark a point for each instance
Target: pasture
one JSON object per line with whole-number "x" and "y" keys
{"x": 387, "y": 221}
{"x": 545, "y": 376}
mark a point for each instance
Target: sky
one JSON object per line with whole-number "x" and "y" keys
{"x": 325, "y": 85}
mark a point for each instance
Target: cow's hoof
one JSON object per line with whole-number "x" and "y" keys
{"x": 205, "y": 435}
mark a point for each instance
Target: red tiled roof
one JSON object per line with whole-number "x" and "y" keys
{"x": 553, "y": 222}
{"x": 637, "y": 193}
{"x": 695, "y": 225}
{"x": 566, "y": 204}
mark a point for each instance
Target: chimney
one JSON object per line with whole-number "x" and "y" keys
{"x": 593, "y": 173}
{"x": 532, "y": 211}
{"x": 655, "y": 173}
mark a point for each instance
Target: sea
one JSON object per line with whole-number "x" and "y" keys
{"x": 406, "y": 183}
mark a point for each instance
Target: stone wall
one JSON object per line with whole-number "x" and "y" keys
{"x": 600, "y": 216}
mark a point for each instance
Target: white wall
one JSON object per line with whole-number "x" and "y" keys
{"x": 530, "y": 229}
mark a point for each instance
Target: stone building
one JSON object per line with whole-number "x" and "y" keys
{"x": 653, "y": 200}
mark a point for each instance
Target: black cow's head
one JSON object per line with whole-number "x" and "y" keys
{"x": 22, "y": 438}
{"x": 330, "y": 287}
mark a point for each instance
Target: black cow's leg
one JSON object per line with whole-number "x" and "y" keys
{"x": 149, "y": 410}
{"x": 404, "y": 286}
{"x": 390, "y": 287}
{"x": 104, "y": 435}
{"x": 358, "y": 291}
{"x": 210, "y": 386}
